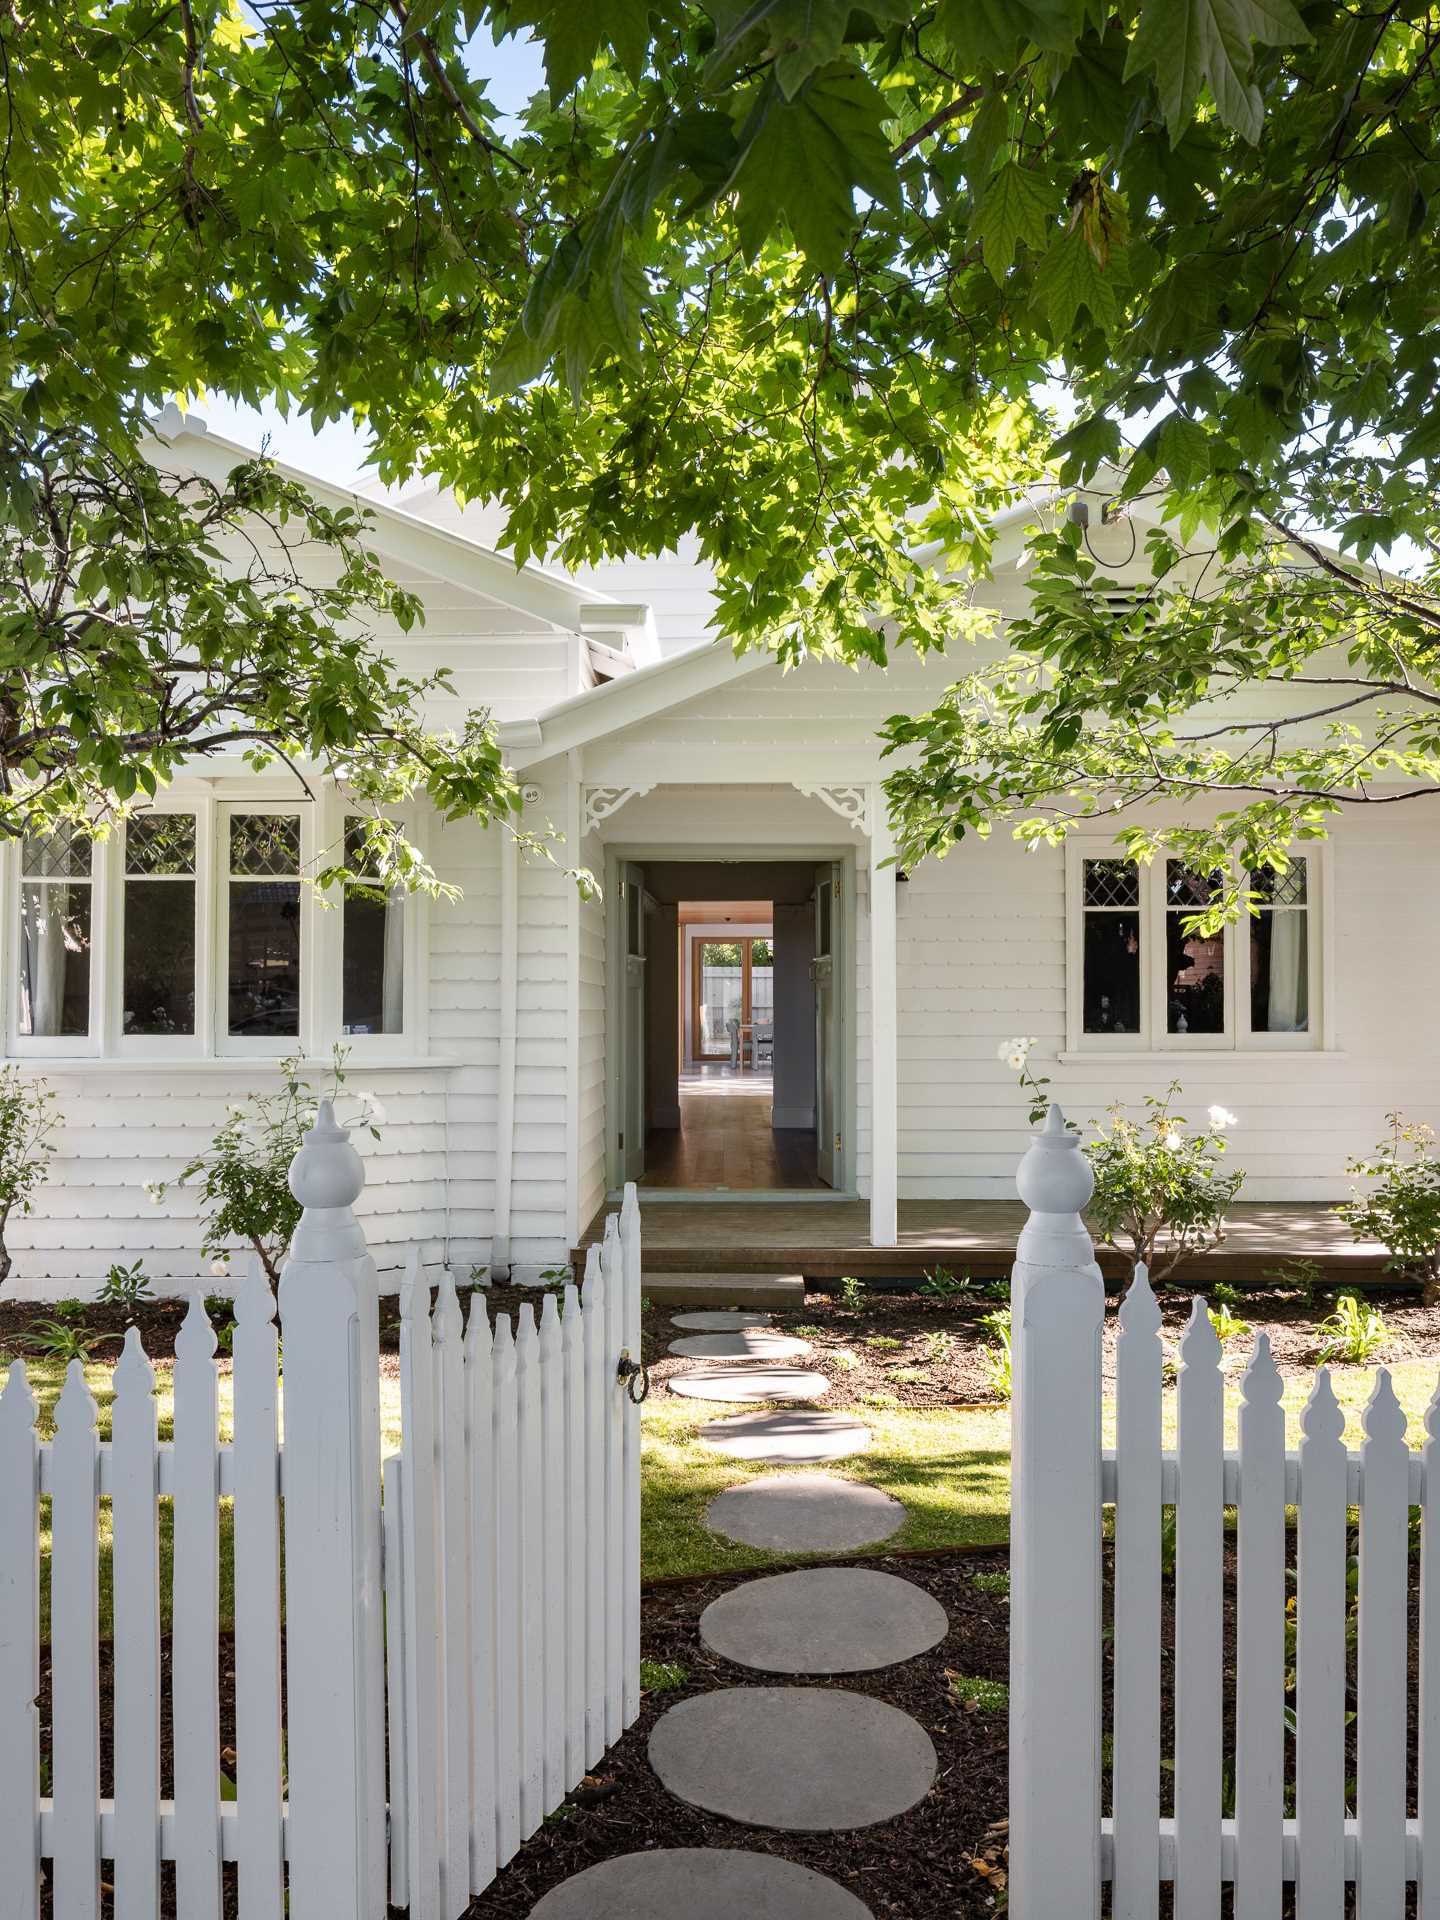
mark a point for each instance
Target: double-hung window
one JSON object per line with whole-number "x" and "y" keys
{"x": 263, "y": 911}
{"x": 159, "y": 926}
{"x": 56, "y": 926}
{"x": 372, "y": 971}
{"x": 1141, "y": 980}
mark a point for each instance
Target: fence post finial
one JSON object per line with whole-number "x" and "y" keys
{"x": 329, "y": 1313}
{"x": 1058, "y": 1307}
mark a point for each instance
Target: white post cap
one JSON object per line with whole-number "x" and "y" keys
{"x": 1055, "y": 1176}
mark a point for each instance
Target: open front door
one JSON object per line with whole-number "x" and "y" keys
{"x": 631, "y": 1038}
{"x": 828, "y": 1139}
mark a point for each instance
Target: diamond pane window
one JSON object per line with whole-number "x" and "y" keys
{"x": 157, "y": 982}
{"x": 265, "y": 843}
{"x": 60, "y": 852}
{"x": 1111, "y": 982}
{"x": 373, "y": 962}
{"x": 1112, "y": 883}
{"x": 1280, "y": 951}
{"x": 263, "y": 997}
{"x": 160, "y": 845}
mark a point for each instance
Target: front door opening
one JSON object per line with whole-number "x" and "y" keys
{"x": 729, "y": 1080}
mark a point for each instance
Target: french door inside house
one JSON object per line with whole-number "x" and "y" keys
{"x": 732, "y": 981}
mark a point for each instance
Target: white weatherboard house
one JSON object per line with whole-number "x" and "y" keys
{"x": 821, "y": 1024}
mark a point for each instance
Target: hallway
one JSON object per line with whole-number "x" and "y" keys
{"x": 725, "y": 1139}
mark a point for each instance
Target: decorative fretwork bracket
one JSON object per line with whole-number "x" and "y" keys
{"x": 600, "y": 802}
{"x": 852, "y": 804}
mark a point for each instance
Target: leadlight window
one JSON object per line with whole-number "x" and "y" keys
{"x": 1194, "y": 962}
{"x": 263, "y": 999}
{"x": 373, "y": 962}
{"x": 56, "y": 929}
{"x": 1280, "y": 951}
{"x": 158, "y": 911}
{"x": 1111, "y": 911}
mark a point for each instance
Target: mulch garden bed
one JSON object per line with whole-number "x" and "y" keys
{"x": 946, "y": 1857}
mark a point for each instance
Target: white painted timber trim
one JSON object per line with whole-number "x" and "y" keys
{"x": 857, "y": 806}
{"x": 625, "y": 702}
{"x": 884, "y": 1028}
{"x": 505, "y": 1069}
{"x": 599, "y": 803}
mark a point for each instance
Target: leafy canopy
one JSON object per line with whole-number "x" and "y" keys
{"x": 797, "y": 277}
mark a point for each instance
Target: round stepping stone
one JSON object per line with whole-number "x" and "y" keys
{"x": 743, "y": 1343}
{"x": 800, "y": 1437}
{"x": 719, "y": 1320}
{"x": 796, "y": 1759}
{"x": 702, "y": 1883}
{"x": 804, "y": 1513}
{"x": 824, "y": 1620}
{"x": 749, "y": 1382}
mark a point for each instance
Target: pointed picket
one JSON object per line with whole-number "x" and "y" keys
{"x": 552, "y": 1515}
{"x": 532, "y": 1562}
{"x": 74, "y": 1651}
{"x": 505, "y": 1462}
{"x": 1428, "y": 1802}
{"x": 454, "y": 1638}
{"x": 1260, "y": 1635}
{"x": 1136, "y": 1767}
{"x": 630, "y": 1411}
{"x": 573, "y": 1343}
{"x": 259, "y": 1737}
{"x": 479, "y": 1390}
{"x": 1381, "y": 1657}
{"x": 1198, "y": 1618}
{"x": 195, "y": 1701}
{"x": 422, "y": 1605}
{"x": 19, "y": 1649}
{"x": 596, "y": 1384}
{"x": 397, "y": 1705}
{"x": 1320, "y": 1657}
{"x": 613, "y": 1258}
{"x": 135, "y": 1563}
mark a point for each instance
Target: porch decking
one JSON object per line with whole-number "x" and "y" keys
{"x": 826, "y": 1239}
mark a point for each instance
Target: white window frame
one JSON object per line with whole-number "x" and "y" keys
{"x": 213, "y": 803}
{"x": 1153, "y": 1037}
{"x": 51, "y": 1046}
{"x": 268, "y": 1046}
{"x": 160, "y": 1046}
{"x": 412, "y": 1038}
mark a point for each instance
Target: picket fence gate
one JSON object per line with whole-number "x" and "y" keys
{"x": 1062, "y": 1843}
{"x": 458, "y": 1652}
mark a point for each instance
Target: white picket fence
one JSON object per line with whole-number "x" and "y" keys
{"x": 1063, "y": 1844}
{"x": 492, "y": 1645}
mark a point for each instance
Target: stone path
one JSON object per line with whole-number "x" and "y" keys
{"x": 794, "y": 1759}
{"x": 824, "y": 1620}
{"x": 749, "y": 1381}
{"x": 798, "y": 1437}
{"x": 699, "y": 1883}
{"x": 742, "y": 1343}
{"x": 804, "y": 1513}
{"x": 788, "y": 1759}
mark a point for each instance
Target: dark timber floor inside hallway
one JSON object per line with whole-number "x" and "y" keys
{"x": 725, "y": 1139}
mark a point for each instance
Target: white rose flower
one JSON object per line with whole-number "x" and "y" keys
{"x": 220, "y": 1269}
{"x": 1172, "y": 1140}
{"x": 1015, "y": 1059}
{"x": 154, "y": 1191}
{"x": 1221, "y": 1118}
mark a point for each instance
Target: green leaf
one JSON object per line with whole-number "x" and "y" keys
{"x": 989, "y": 33}
{"x": 799, "y": 35}
{"x": 421, "y": 13}
{"x": 1183, "y": 448}
{"x": 575, "y": 30}
{"x": 1194, "y": 43}
{"x": 1070, "y": 278}
{"x": 804, "y": 157}
{"x": 1019, "y": 204}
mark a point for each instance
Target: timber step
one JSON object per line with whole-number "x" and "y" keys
{"x": 777, "y": 1291}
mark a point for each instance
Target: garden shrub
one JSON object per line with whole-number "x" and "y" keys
{"x": 1402, "y": 1208}
{"x": 27, "y": 1120}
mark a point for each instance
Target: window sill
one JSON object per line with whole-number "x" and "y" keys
{"x": 236, "y": 1065}
{"x": 1089, "y": 1056}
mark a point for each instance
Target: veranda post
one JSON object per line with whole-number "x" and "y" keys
{"x": 1058, "y": 1302}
